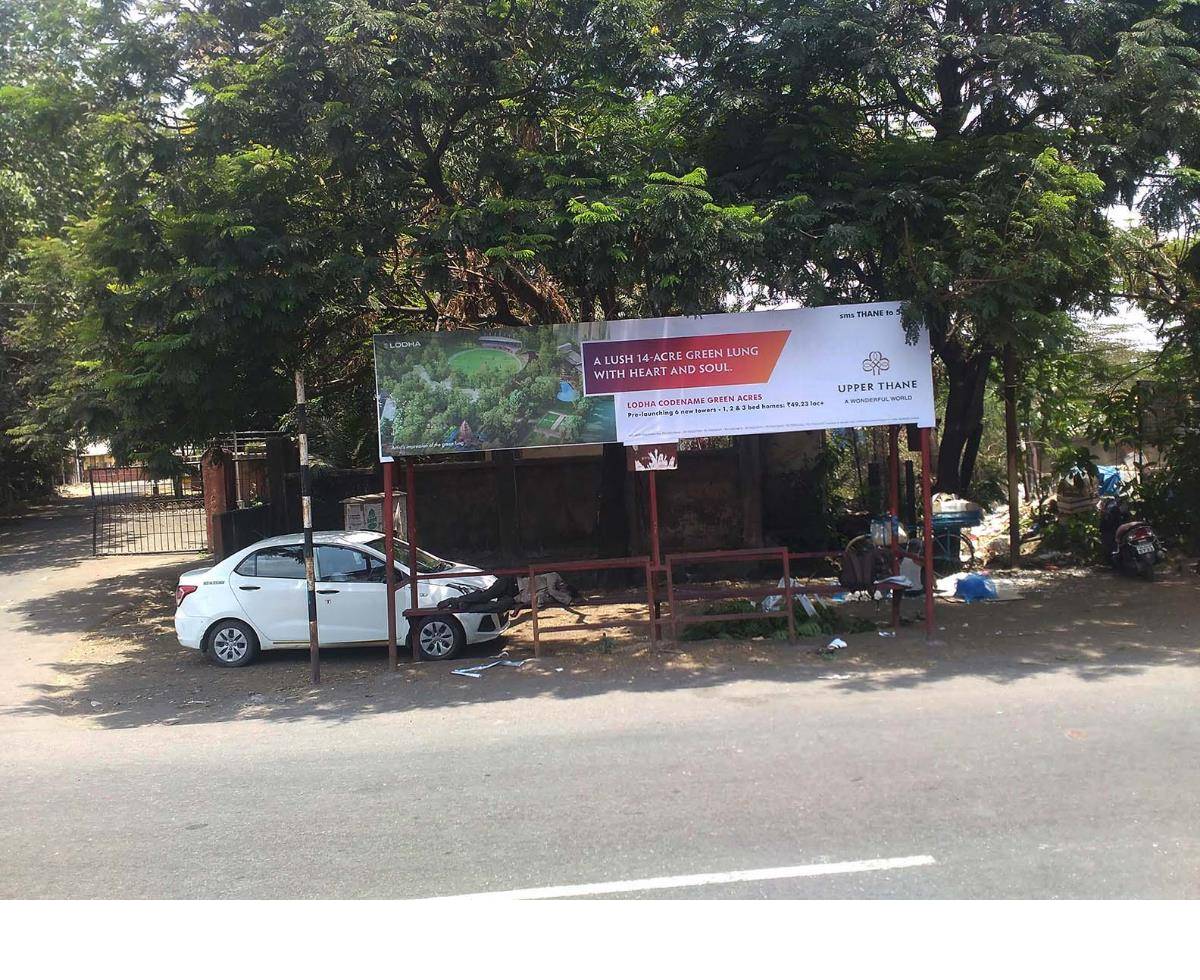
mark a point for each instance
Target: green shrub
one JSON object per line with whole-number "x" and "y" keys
{"x": 828, "y": 621}
{"x": 1169, "y": 498}
{"x": 1078, "y": 535}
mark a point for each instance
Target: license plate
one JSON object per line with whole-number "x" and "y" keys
{"x": 1144, "y": 549}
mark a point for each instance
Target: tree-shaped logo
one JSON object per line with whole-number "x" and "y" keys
{"x": 875, "y": 363}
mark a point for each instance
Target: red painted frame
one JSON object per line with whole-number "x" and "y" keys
{"x": 654, "y": 563}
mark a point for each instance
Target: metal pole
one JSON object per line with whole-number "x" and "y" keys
{"x": 533, "y": 612}
{"x": 410, "y": 500}
{"x": 237, "y": 473}
{"x": 655, "y": 554}
{"x": 310, "y": 575}
{"x": 894, "y": 508}
{"x": 927, "y": 521}
{"x": 894, "y": 491}
{"x": 389, "y": 551}
{"x": 95, "y": 524}
{"x": 788, "y": 597}
{"x": 651, "y": 605}
{"x": 671, "y": 601}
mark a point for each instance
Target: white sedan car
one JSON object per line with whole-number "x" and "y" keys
{"x": 256, "y": 599}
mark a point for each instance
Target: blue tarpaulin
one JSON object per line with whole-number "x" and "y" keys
{"x": 1110, "y": 480}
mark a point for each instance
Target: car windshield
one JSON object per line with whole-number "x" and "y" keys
{"x": 425, "y": 561}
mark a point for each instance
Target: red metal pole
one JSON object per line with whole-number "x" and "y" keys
{"x": 788, "y": 597}
{"x": 650, "y": 604}
{"x": 389, "y": 551}
{"x": 533, "y": 612}
{"x": 671, "y": 601}
{"x": 894, "y": 508}
{"x": 655, "y": 554}
{"x": 927, "y": 520}
{"x": 410, "y": 500}
{"x": 894, "y": 490}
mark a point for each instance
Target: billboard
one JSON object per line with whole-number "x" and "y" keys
{"x": 828, "y": 367}
{"x": 462, "y": 391}
{"x": 650, "y": 381}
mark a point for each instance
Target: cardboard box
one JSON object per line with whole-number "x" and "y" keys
{"x": 365, "y": 513}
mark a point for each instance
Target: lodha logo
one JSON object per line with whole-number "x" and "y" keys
{"x": 875, "y": 363}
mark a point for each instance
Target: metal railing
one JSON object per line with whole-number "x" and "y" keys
{"x": 677, "y": 594}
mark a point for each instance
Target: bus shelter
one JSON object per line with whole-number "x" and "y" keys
{"x": 657, "y": 381}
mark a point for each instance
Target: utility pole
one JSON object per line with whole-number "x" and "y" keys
{"x": 310, "y": 576}
{"x": 1013, "y": 453}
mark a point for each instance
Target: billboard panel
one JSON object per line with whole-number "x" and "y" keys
{"x": 650, "y": 381}
{"x": 462, "y": 391}
{"x": 769, "y": 371}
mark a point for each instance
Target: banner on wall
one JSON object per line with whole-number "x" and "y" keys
{"x": 644, "y": 382}
{"x": 827, "y": 367}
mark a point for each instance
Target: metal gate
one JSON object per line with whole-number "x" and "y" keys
{"x": 134, "y": 513}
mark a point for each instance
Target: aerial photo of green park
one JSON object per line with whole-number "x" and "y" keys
{"x": 463, "y": 391}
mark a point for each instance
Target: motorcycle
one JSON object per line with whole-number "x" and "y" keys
{"x": 1131, "y": 546}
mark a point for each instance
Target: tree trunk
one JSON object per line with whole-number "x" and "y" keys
{"x": 962, "y": 427}
{"x": 1013, "y": 454}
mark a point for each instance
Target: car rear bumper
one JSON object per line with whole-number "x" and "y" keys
{"x": 190, "y": 629}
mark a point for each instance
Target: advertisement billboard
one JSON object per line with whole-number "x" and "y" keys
{"x": 650, "y": 381}
{"x": 827, "y": 367}
{"x": 462, "y": 391}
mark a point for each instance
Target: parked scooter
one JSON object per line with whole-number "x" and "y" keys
{"x": 1131, "y": 546}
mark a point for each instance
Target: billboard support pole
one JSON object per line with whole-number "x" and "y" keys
{"x": 389, "y": 551}
{"x": 655, "y": 552}
{"x": 894, "y": 511}
{"x": 414, "y": 592}
{"x": 655, "y": 558}
{"x": 927, "y": 520}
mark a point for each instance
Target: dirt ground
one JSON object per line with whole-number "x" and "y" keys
{"x": 123, "y": 667}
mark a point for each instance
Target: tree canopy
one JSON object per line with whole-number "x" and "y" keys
{"x": 959, "y": 155}
{"x": 198, "y": 196}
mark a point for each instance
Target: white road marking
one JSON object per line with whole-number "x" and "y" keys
{"x": 691, "y": 881}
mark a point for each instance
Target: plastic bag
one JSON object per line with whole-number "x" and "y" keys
{"x": 975, "y": 587}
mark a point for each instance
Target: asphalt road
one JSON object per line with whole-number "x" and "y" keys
{"x": 1057, "y": 784}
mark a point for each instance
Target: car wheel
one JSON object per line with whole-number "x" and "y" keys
{"x": 440, "y": 638}
{"x": 232, "y": 644}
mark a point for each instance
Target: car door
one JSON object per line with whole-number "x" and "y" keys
{"x": 351, "y": 596}
{"x": 269, "y": 586}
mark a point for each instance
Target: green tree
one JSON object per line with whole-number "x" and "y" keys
{"x": 338, "y": 168}
{"x": 957, "y": 155}
{"x": 48, "y": 167}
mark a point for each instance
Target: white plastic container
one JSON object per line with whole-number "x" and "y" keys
{"x": 882, "y": 529}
